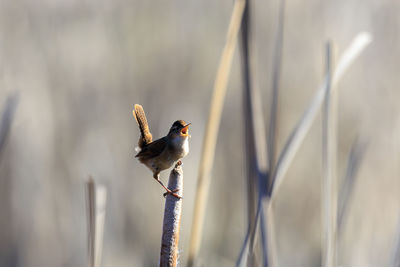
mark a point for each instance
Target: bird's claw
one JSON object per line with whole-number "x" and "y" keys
{"x": 173, "y": 193}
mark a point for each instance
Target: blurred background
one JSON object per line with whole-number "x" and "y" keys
{"x": 78, "y": 67}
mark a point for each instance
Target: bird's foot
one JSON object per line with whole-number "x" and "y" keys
{"x": 173, "y": 193}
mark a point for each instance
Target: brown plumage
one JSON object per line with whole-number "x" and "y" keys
{"x": 140, "y": 117}
{"x": 163, "y": 153}
{"x": 152, "y": 151}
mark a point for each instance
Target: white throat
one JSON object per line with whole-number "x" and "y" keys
{"x": 181, "y": 145}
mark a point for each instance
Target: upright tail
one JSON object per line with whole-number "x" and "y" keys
{"x": 140, "y": 117}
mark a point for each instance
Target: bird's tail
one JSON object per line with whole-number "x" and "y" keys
{"x": 140, "y": 117}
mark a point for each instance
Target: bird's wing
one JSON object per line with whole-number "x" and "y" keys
{"x": 153, "y": 149}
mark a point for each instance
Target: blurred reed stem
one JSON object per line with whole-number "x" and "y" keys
{"x": 255, "y": 144}
{"x": 256, "y": 148}
{"x": 211, "y": 132}
{"x": 172, "y": 220}
{"x": 96, "y": 198}
{"x": 304, "y": 124}
{"x": 297, "y": 136}
{"x": 248, "y": 119}
{"x": 329, "y": 155}
{"x": 251, "y": 230}
{"x": 356, "y": 156}
{"x": 7, "y": 117}
{"x": 395, "y": 255}
{"x": 274, "y": 102}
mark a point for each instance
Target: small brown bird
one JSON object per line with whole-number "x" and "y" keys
{"x": 162, "y": 153}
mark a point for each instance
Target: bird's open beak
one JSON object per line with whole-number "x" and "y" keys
{"x": 185, "y": 130}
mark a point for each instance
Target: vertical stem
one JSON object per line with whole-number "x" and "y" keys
{"x": 248, "y": 119}
{"x": 302, "y": 127}
{"x": 395, "y": 260}
{"x": 276, "y": 71}
{"x": 172, "y": 220}
{"x": 255, "y": 143}
{"x": 357, "y": 152}
{"x": 329, "y": 167}
{"x": 211, "y": 133}
{"x": 90, "y": 206}
{"x": 96, "y": 197}
{"x": 7, "y": 117}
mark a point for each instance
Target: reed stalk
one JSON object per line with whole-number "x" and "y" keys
{"x": 294, "y": 141}
{"x": 211, "y": 132}
{"x": 96, "y": 198}
{"x": 172, "y": 220}
{"x": 7, "y": 118}
{"x": 329, "y": 154}
{"x": 304, "y": 124}
{"x": 274, "y": 99}
{"x": 357, "y": 152}
{"x": 255, "y": 143}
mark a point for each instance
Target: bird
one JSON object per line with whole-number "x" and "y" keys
{"x": 162, "y": 153}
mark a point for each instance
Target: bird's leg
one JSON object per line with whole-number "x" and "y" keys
{"x": 169, "y": 192}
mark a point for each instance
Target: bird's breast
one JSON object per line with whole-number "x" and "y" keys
{"x": 185, "y": 147}
{"x": 179, "y": 147}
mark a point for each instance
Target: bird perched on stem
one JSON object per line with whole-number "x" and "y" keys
{"x": 162, "y": 153}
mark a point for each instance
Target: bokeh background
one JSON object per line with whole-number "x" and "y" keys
{"x": 78, "y": 67}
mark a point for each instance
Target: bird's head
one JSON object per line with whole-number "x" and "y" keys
{"x": 179, "y": 128}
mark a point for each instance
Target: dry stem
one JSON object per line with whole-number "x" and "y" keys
{"x": 211, "y": 133}
{"x": 172, "y": 219}
{"x": 96, "y": 197}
